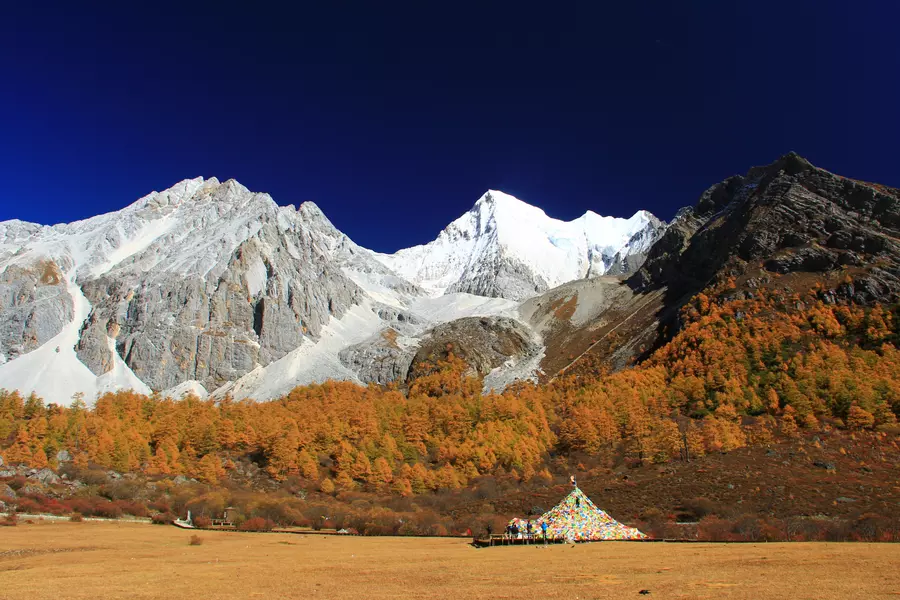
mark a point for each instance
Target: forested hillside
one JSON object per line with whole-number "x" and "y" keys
{"x": 768, "y": 325}
{"x": 741, "y": 372}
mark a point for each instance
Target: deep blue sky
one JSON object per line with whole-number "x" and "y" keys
{"x": 394, "y": 118}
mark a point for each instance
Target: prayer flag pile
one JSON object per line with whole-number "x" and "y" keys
{"x": 576, "y": 518}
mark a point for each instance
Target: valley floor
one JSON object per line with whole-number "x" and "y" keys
{"x": 125, "y": 560}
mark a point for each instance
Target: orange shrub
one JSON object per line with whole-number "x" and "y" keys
{"x": 27, "y": 505}
{"x": 257, "y": 524}
{"x": 202, "y": 522}
{"x": 162, "y": 518}
{"x": 714, "y": 529}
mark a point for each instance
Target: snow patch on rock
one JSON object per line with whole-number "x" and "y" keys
{"x": 517, "y": 368}
{"x": 312, "y": 362}
{"x": 54, "y": 372}
{"x": 188, "y": 387}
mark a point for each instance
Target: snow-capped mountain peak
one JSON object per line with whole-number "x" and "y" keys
{"x": 207, "y": 285}
{"x": 496, "y": 208}
{"x": 508, "y": 248}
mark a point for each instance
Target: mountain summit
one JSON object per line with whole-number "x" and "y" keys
{"x": 210, "y": 286}
{"x": 506, "y": 248}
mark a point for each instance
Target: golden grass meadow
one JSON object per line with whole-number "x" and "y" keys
{"x": 45, "y": 560}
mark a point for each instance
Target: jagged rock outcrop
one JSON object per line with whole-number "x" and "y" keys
{"x": 204, "y": 281}
{"x": 789, "y": 216}
{"x": 500, "y": 276}
{"x": 358, "y": 263}
{"x": 35, "y": 304}
{"x": 484, "y": 343}
{"x": 384, "y": 358}
{"x": 45, "y": 476}
{"x": 632, "y": 257}
{"x": 258, "y": 302}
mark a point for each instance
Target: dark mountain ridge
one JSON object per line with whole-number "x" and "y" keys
{"x": 789, "y": 217}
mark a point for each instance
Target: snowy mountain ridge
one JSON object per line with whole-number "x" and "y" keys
{"x": 209, "y": 286}
{"x": 507, "y": 248}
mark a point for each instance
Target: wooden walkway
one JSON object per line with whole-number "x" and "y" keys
{"x": 500, "y": 539}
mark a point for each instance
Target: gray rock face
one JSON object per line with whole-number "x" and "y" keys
{"x": 352, "y": 258}
{"x": 500, "y": 276}
{"x": 382, "y": 359}
{"x": 627, "y": 263}
{"x": 63, "y": 456}
{"x": 274, "y": 292}
{"x": 206, "y": 281}
{"x": 790, "y": 216}
{"x": 207, "y": 309}
{"x": 34, "y": 306}
{"x": 482, "y": 342}
{"x": 46, "y": 477}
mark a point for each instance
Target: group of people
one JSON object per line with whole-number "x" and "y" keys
{"x": 513, "y": 531}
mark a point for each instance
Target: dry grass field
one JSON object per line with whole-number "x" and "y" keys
{"x": 117, "y": 560}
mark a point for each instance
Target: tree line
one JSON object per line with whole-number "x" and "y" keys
{"x": 742, "y": 369}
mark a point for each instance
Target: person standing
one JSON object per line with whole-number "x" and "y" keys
{"x": 544, "y": 531}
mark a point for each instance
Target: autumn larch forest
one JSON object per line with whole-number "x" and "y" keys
{"x": 753, "y": 370}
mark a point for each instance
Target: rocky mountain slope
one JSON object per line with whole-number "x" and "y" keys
{"x": 788, "y": 220}
{"x": 149, "y": 303}
{"x": 209, "y": 287}
{"x": 789, "y": 216}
